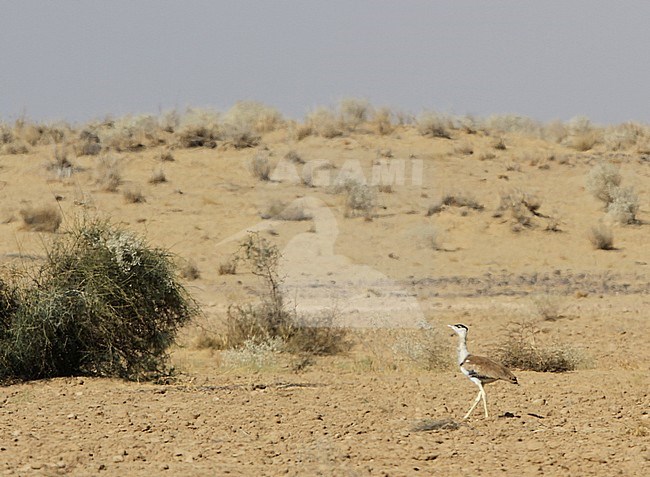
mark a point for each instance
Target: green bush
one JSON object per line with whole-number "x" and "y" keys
{"x": 103, "y": 303}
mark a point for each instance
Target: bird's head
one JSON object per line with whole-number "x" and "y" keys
{"x": 459, "y": 329}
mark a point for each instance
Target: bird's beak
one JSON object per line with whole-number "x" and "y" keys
{"x": 450, "y": 326}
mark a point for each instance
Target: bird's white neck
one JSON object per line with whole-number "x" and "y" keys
{"x": 462, "y": 349}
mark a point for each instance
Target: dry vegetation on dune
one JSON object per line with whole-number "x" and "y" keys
{"x": 368, "y": 230}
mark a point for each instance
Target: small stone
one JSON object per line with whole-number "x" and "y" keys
{"x": 118, "y": 458}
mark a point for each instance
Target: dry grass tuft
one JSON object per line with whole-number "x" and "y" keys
{"x": 190, "y": 271}
{"x": 521, "y": 351}
{"x": 521, "y": 206}
{"x": 454, "y": 200}
{"x": 108, "y": 175}
{"x": 601, "y": 237}
{"x": 47, "y": 218}
{"x": 132, "y": 194}
{"x": 260, "y": 166}
{"x": 157, "y": 177}
{"x": 434, "y": 124}
{"x": 602, "y": 181}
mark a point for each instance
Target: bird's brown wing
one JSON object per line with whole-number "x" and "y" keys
{"x": 487, "y": 370}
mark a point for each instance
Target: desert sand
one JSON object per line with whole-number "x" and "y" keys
{"x": 361, "y": 412}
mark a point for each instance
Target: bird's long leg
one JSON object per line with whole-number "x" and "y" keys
{"x": 476, "y": 401}
{"x": 484, "y": 400}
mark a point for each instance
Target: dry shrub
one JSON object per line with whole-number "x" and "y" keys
{"x": 382, "y": 121}
{"x": 87, "y": 144}
{"x": 521, "y": 206}
{"x": 601, "y": 237}
{"x": 108, "y": 175}
{"x": 166, "y": 155}
{"x": 198, "y": 128}
{"x": 15, "y": 147}
{"x": 132, "y": 194}
{"x": 582, "y": 135}
{"x": 46, "y": 218}
{"x": 464, "y": 148}
{"x": 157, "y": 177}
{"x": 229, "y": 267}
{"x": 521, "y": 351}
{"x": 103, "y": 303}
{"x": 260, "y": 166}
{"x": 323, "y": 122}
{"x": 254, "y": 116}
{"x": 548, "y": 307}
{"x": 353, "y": 112}
{"x": 454, "y": 200}
{"x": 294, "y": 157}
{"x": 270, "y": 321}
{"x": 500, "y": 124}
{"x": 281, "y": 211}
{"x": 624, "y": 206}
{"x": 360, "y": 199}
{"x": 602, "y": 180}
{"x": 61, "y": 164}
{"x": 424, "y": 346}
{"x": 433, "y": 124}
{"x": 131, "y": 133}
{"x": 190, "y": 271}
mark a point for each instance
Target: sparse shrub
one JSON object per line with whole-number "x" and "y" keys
{"x": 601, "y": 237}
{"x": 434, "y": 124}
{"x": 582, "y": 134}
{"x": 253, "y": 116}
{"x": 464, "y": 149}
{"x": 271, "y": 320}
{"x": 521, "y": 206}
{"x": 260, "y": 166}
{"x": 454, "y": 200}
{"x": 423, "y": 346}
{"x": 132, "y": 194}
{"x": 521, "y": 351}
{"x": 88, "y": 143}
{"x": 157, "y": 177}
{"x": 500, "y": 145}
{"x": 103, "y": 303}
{"x": 281, "y": 211}
{"x": 109, "y": 176}
{"x": 41, "y": 219}
{"x": 624, "y": 205}
{"x": 602, "y": 180}
{"x": 318, "y": 336}
{"x": 500, "y": 124}
{"x": 354, "y": 112}
{"x": 228, "y": 267}
{"x": 547, "y": 307}
{"x": 323, "y": 122}
{"x": 254, "y": 353}
{"x": 360, "y": 199}
{"x": 198, "y": 128}
{"x": 15, "y": 147}
{"x": 190, "y": 271}
{"x": 293, "y": 156}
{"x": 61, "y": 164}
{"x": 166, "y": 155}
{"x": 382, "y": 121}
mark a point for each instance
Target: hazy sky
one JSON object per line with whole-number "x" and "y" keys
{"x": 80, "y": 60}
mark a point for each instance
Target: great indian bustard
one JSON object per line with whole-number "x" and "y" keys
{"x": 479, "y": 369}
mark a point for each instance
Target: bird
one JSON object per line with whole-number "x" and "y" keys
{"x": 479, "y": 369}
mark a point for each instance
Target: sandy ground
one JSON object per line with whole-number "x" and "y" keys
{"x": 360, "y": 413}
